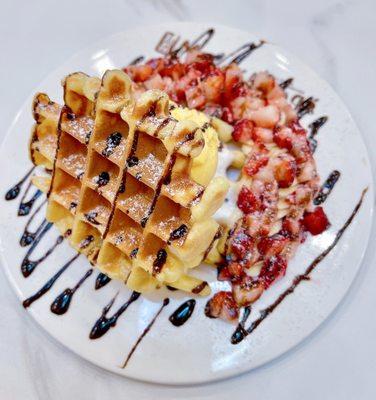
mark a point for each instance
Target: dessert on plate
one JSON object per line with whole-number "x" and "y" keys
{"x": 157, "y": 168}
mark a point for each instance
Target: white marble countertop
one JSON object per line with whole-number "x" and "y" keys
{"x": 336, "y": 38}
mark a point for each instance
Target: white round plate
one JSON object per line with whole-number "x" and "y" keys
{"x": 200, "y": 350}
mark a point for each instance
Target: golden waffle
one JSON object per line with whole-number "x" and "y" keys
{"x": 161, "y": 224}
{"x": 74, "y": 129}
{"x": 122, "y": 183}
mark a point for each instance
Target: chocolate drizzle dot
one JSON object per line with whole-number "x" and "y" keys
{"x": 199, "y": 288}
{"x": 326, "y": 188}
{"x": 160, "y": 261}
{"x": 134, "y": 253}
{"x": 103, "y": 179}
{"x": 122, "y": 188}
{"x": 132, "y": 161}
{"x": 90, "y": 216}
{"x": 112, "y": 142}
{"x": 178, "y": 233}
{"x": 102, "y": 280}
{"x": 181, "y": 315}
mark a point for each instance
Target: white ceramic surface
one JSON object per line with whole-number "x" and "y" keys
{"x": 207, "y": 354}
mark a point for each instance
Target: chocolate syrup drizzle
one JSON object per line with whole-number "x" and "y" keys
{"x": 26, "y": 206}
{"x": 103, "y": 324}
{"x": 303, "y": 106}
{"x": 241, "y": 53}
{"x": 181, "y": 315}
{"x": 240, "y": 332}
{"x": 14, "y": 191}
{"x": 327, "y": 187}
{"x": 314, "y": 127}
{"x": 48, "y": 285}
{"x": 137, "y": 60}
{"x": 62, "y": 302}
{"x": 102, "y": 280}
{"x": 28, "y": 266}
{"x": 286, "y": 83}
{"x": 27, "y": 236}
{"x": 145, "y": 331}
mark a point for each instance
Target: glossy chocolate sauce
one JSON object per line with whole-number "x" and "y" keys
{"x": 240, "y": 331}
{"x": 137, "y": 60}
{"x": 314, "y": 129}
{"x": 62, "y": 302}
{"x": 303, "y": 106}
{"x": 145, "y": 331}
{"x": 27, "y": 265}
{"x": 27, "y": 236}
{"x": 25, "y": 206}
{"x": 181, "y": 315}
{"x": 240, "y": 54}
{"x": 112, "y": 141}
{"x": 102, "y": 280}
{"x": 48, "y": 285}
{"x": 14, "y": 191}
{"x": 327, "y": 187}
{"x": 103, "y": 324}
{"x": 160, "y": 261}
{"x": 287, "y": 83}
{"x": 240, "y": 334}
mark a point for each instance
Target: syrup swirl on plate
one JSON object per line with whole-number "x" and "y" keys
{"x": 62, "y": 302}
{"x": 103, "y": 324}
{"x": 14, "y": 191}
{"x": 48, "y": 285}
{"x": 144, "y": 332}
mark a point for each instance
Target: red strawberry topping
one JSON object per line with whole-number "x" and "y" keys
{"x": 316, "y": 221}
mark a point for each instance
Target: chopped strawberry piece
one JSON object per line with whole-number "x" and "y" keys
{"x": 283, "y": 137}
{"x": 213, "y": 86}
{"x": 247, "y": 201}
{"x": 205, "y": 67}
{"x": 227, "y": 115}
{"x": 247, "y": 291}
{"x": 222, "y": 305}
{"x": 243, "y": 131}
{"x": 241, "y": 244}
{"x": 235, "y": 271}
{"x": 195, "y": 97}
{"x": 255, "y": 163}
{"x": 224, "y": 273}
{"x": 174, "y": 71}
{"x": 297, "y": 128}
{"x": 140, "y": 73}
{"x": 265, "y": 117}
{"x": 263, "y": 81}
{"x": 285, "y": 171}
{"x": 316, "y": 221}
{"x": 290, "y": 227}
{"x": 262, "y": 135}
{"x": 272, "y": 269}
{"x": 273, "y": 245}
{"x": 157, "y": 63}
